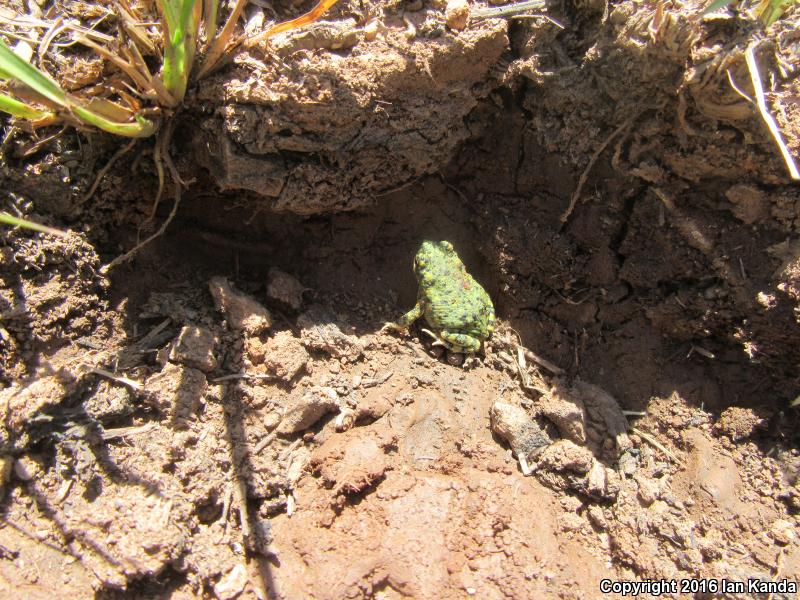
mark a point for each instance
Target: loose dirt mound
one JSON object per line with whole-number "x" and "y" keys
{"x": 223, "y": 418}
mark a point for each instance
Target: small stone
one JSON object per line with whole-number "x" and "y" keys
{"x": 455, "y": 359}
{"x": 232, "y": 584}
{"x": 456, "y": 14}
{"x": 271, "y": 420}
{"x": 648, "y": 491}
{"x": 242, "y": 312}
{"x": 306, "y": 409}
{"x": 749, "y": 204}
{"x": 597, "y": 517}
{"x": 565, "y": 409}
{"x": 513, "y": 423}
{"x": 285, "y": 289}
{"x": 194, "y": 347}
{"x": 320, "y": 330}
{"x": 285, "y": 356}
{"x": 628, "y": 464}
{"x": 110, "y": 401}
{"x": 783, "y": 532}
{"x": 26, "y": 469}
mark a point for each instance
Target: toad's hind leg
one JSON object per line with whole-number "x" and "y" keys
{"x": 406, "y": 320}
{"x": 459, "y": 342}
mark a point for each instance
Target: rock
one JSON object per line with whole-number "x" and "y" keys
{"x": 194, "y": 347}
{"x": 176, "y": 392}
{"x": 456, "y": 14}
{"x": 513, "y": 423}
{"x": 567, "y": 413}
{"x": 749, "y": 203}
{"x": 306, "y": 409}
{"x": 597, "y": 516}
{"x": 783, "y": 532}
{"x": 242, "y": 311}
{"x": 271, "y": 420}
{"x": 285, "y": 356}
{"x": 232, "y": 584}
{"x": 110, "y": 401}
{"x": 285, "y": 289}
{"x": 319, "y": 331}
{"x": 604, "y": 416}
{"x": 27, "y": 469}
{"x": 648, "y": 490}
{"x": 565, "y": 466}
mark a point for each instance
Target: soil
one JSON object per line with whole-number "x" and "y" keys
{"x": 223, "y": 417}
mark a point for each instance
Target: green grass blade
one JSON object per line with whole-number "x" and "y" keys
{"x": 21, "y": 110}
{"x": 770, "y": 11}
{"x": 7, "y": 219}
{"x": 716, "y": 5}
{"x": 140, "y": 128}
{"x": 13, "y": 67}
{"x": 180, "y": 20}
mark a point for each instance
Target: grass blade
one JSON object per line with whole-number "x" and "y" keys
{"x": 139, "y": 128}
{"x": 716, "y": 5}
{"x": 7, "y": 219}
{"x": 21, "y": 110}
{"x": 180, "y": 28}
{"x": 14, "y": 67}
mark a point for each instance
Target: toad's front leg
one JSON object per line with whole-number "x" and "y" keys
{"x": 406, "y": 320}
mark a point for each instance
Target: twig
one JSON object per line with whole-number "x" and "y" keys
{"x": 654, "y": 442}
{"x": 135, "y": 385}
{"x": 755, "y": 77}
{"x": 502, "y": 11}
{"x": 584, "y": 176}
{"x": 102, "y": 173}
{"x": 264, "y": 443}
{"x": 543, "y": 362}
{"x": 244, "y": 514}
{"x": 112, "y": 434}
{"x": 737, "y": 89}
{"x": 234, "y": 376}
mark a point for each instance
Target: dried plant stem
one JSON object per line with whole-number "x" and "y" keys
{"x": 221, "y": 42}
{"x": 755, "y": 77}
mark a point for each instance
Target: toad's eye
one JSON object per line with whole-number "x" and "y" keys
{"x": 447, "y": 246}
{"x": 422, "y": 263}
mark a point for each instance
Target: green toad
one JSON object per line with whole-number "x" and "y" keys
{"x": 456, "y": 307}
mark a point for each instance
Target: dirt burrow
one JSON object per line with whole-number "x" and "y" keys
{"x": 672, "y": 289}
{"x": 402, "y": 489}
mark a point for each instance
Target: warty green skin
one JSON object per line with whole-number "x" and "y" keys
{"x": 457, "y": 308}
